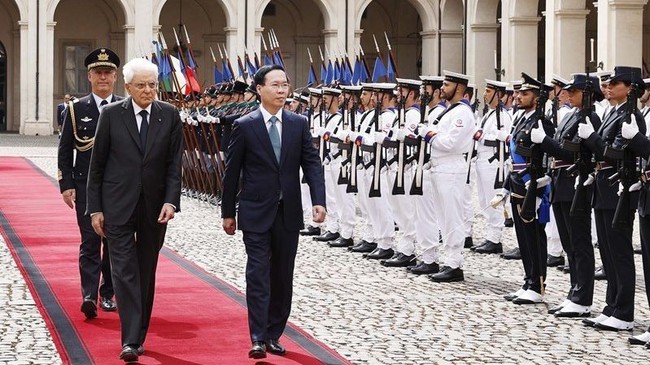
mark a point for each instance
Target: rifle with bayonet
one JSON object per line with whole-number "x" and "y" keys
{"x": 421, "y": 149}
{"x": 400, "y": 157}
{"x": 377, "y": 159}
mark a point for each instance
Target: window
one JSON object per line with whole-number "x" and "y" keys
{"x": 75, "y": 74}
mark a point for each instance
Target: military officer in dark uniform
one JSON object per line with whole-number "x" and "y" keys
{"x": 75, "y": 147}
{"x": 614, "y": 241}
{"x": 574, "y": 227}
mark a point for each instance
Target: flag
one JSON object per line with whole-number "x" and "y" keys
{"x": 330, "y": 73}
{"x": 227, "y": 74}
{"x": 391, "y": 72}
{"x": 218, "y": 76}
{"x": 346, "y": 74}
{"x": 267, "y": 60}
{"x": 311, "y": 77}
{"x": 379, "y": 71}
{"x": 356, "y": 73}
{"x": 240, "y": 67}
{"x": 250, "y": 68}
{"x": 277, "y": 59}
{"x": 323, "y": 72}
{"x": 191, "y": 62}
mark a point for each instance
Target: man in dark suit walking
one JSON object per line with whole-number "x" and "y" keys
{"x": 134, "y": 188}
{"x": 267, "y": 148}
{"x": 78, "y": 133}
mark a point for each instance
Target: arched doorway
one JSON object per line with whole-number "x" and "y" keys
{"x": 3, "y": 88}
{"x": 102, "y": 25}
{"x": 298, "y": 25}
{"x": 205, "y": 21}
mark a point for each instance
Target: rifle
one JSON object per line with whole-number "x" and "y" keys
{"x": 535, "y": 162}
{"x": 418, "y": 176}
{"x": 398, "y": 184}
{"x": 500, "y": 178}
{"x": 627, "y": 173}
{"x": 378, "y": 160}
{"x": 354, "y": 151}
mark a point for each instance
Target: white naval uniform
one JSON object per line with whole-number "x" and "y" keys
{"x": 304, "y": 188}
{"x": 403, "y": 204}
{"x": 344, "y": 201}
{"x": 453, "y": 139}
{"x": 331, "y": 170}
{"x": 426, "y": 221}
{"x": 486, "y": 172}
{"x": 364, "y": 127}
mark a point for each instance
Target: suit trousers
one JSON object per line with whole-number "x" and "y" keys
{"x": 380, "y": 212}
{"x": 134, "y": 248}
{"x": 94, "y": 264}
{"x": 333, "y": 214}
{"x": 269, "y": 278}
{"x": 486, "y": 173}
{"x": 449, "y": 193}
{"x": 403, "y": 211}
{"x": 617, "y": 254}
{"x": 531, "y": 239}
{"x": 644, "y": 229}
{"x": 575, "y": 234}
{"x": 426, "y": 221}
{"x": 344, "y": 202}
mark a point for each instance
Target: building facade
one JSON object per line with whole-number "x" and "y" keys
{"x": 43, "y": 42}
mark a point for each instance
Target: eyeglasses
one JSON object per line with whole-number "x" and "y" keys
{"x": 274, "y": 86}
{"x": 142, "y": 85}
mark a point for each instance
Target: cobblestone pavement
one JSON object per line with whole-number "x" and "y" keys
{"x": 368, "y": 313}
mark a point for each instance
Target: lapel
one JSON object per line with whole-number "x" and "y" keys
{"x": 566, "y": 122}
{"x": 91, "y": 108}
{"x": 613, "y": 116}
{"x": 128, "y": 117}
{"x": 259, "y": 128}
{"x": 155, "y": 121}
{"x": 288, "y": 127}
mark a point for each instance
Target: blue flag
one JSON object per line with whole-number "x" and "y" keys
{"x": 391, "y": 72}
{"x": 379, "y": 71}
{"x": 267, "y": 60}
{"x": 311, "y": 77}
{"x": 218, "y": 76}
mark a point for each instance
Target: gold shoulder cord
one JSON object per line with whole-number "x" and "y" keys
{"x": 82, "y": 145}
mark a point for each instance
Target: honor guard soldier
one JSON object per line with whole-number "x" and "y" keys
{"x": 645, "y": 101}
{"x": 603, "y": 107}
{"x": 528, "y": 189}
{"x": 614, "y": 218}
{"x": 75, "y": 149}
{"x": 572, "y": 202}
{"x": 490, "y": 163}
{"x": 408, "y": 93}
{"x": 428, "y": 233}
{"x": 450, "y": 136}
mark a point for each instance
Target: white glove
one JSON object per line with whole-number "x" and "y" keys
{"x": 575, "y": 184}
{"x": 427, "y": 166}
{"x": 379, "y": 137}
{"x": 636, "y": 186}
{"x": 424, "y": 130}
{"x": 629, "y": 130}
{"x": 502, "y": 135}
{"x": 590, "y": 180}
{"x": 401, "y": 134}
{"x": 353, "y": 135}
{"x": 499, "y": 198}
{"x": 620, "y": 189}
{"x": 537, "y": 134}
{"x": 319, "y": 131}
{"x": 541, "y": 182}
{"x": 343, "y": 134}
{"x": 585, "y": 129}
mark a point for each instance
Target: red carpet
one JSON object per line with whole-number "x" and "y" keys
{"x": 197, "y": 318}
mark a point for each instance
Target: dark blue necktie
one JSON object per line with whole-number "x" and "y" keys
{"x": 144, "y": 128}
{"x": 275, "y": 138}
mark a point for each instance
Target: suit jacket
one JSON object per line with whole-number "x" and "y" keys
{"x": 641, "y": 146}
{"x": 86, "y": 117}
{"x": 59, "y": 114}
{"x": 264, "y": 180}
{"x": 121, "y": 169}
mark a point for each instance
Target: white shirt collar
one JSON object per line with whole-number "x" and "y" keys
{"x": 137, "y": 109}
{"x": 98, "y": 100}
{"x": 267, "y": 115}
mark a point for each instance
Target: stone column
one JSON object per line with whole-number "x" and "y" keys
{"x": 521, "y": 52}
{"x": 620, "y": 31}
{"x": 565, "y": 38}
{"x": 481, "y": 48}
{"x": 232, "y": 45}
{"x": 331, "y": 41}
{"x": 451, "y": 50}
{"x": 143, "y": 30}
{"x": 430, "y": 52}
{"x": 27, "y": 76}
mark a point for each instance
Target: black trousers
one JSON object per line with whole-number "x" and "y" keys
{"x": 644, "y": 229}
{"x": 134, "y": 249}
{"x": 269, "y": 279}
{"x": 575, "y": 235}
{"x": 531, "y": 239}
{"x": 94, "y": 264}
{"x": 617, "y": 254}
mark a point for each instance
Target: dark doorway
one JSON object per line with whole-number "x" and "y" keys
{"x": 3, "y": 88}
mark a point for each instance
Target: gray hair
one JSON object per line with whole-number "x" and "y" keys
{"x": 138, "y": 66}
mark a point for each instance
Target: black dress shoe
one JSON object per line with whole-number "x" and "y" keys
{"x": 310, "y": 231}
{"x": 423, "y": 268}
{"x": 274, "y": 347}
{"x": 258, "y": 351}
{"x": 89, "y": 308}
{"x": 513, "y": 254}
{"x": 468, "y": 242}
{"x": 129, "y": 353}
{"x": 327, "y": 236}
{"x": 600, "y": 274}
{"x": 140, "y": 350}
{"x": 473, "y": 248}
{"x": 638, "y": 251}
{"x": 490, "y": 247}
{"x": 107, "y": 305}
{"x": 552, "y": 261}
{"x": 364, "y": 246}
{"x": 380, "y": 254}
{"x": 341, "y": 242}
{"x": 508, "y": 222}
{"x": 447, "y": 275}
{"x": 399, "y": 260}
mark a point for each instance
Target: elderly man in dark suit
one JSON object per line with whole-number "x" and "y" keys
{"x": 78, "y": 132}
{"x": 134, "y": 188}
{"x": 267, "y": 148}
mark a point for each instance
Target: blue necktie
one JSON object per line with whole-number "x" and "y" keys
{"x": 144, "y": 128}
{"x": 275, "y": 138}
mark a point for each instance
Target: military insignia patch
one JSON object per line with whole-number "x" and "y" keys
{"x": 59, "y": 175}
{"x": 459, "y": 123}
{"x": 86, "y": 119}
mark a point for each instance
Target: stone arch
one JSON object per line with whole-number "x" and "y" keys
{"x": 452, "y": 14}
{"x": 10, "y": 96}
{"x": 524, "y": 8}
{"x": 127, "y": 10}
{"x": 485, "y": 11}
{"x": 22, "y": 8}
{"x": 225, "y": 5}
{"x": 425, "y": 10}
{"x": 325, "y": 7}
